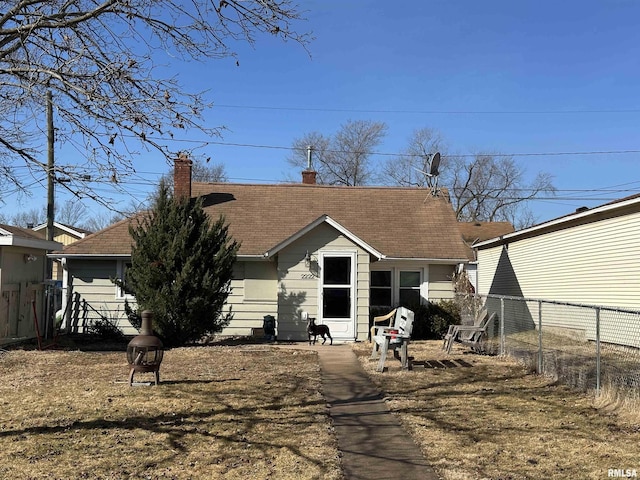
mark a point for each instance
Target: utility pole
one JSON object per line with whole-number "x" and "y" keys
{"x": 50, "y": 178}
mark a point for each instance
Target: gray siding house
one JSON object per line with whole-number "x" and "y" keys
{"x": 331, "y": 252}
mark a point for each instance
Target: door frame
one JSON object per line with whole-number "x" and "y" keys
{"x": 353, "y": 255}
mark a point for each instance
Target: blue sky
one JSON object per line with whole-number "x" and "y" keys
{"x": 512, "y": 77}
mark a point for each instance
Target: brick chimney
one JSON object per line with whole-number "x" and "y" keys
{"x": 309, "y": 177}
{"x": 182, "y": 177}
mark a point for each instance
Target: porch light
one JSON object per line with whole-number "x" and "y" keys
{"x": 307, "y": 259}
{"x": 29, "y": 257}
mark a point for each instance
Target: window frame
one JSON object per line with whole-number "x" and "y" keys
{"x": 121, "y": 270}
{"x": 396, "y": 271}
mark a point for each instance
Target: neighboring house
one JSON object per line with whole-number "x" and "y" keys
{"x": 474, "y": 232}
{"x": 63, "y": 234}
{"x": 588, "y": 257}
{"x": 332, "y": 252}
{"x": 22, "y": 286}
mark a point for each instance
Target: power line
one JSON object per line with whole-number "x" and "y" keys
{"x": 468, "y": 155}
{"x": 431, "y": 112}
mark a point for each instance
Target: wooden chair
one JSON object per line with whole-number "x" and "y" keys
{"x": 381, "y": 319}
{"x": 469, "y": 335}
{"x": 395, "y": 337}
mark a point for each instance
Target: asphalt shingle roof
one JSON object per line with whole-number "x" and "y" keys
{"x": 398, "y": 222}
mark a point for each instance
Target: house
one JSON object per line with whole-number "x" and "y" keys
{"x": 474, "y": 232}
{"x": 64, "y": 234}
{"x": 22, "y": 282}
{"x": 588, "y": 257}
{"x": 325, "y": 251}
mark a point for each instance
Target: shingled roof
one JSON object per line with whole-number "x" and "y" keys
{"x": 24, "y": 237}
{"x": 397, "y": 222}
{"x": 479, "y": 231}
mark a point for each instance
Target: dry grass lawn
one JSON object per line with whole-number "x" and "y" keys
{"x": 256, "y": 411}
{"x": 221, "y": 412}
{"x": 481, "y": 417}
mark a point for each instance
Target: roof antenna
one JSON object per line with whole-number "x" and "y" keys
{"x": 432, "y": 176}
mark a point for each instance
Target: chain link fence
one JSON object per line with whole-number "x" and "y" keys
{"x": 588, "y": 347}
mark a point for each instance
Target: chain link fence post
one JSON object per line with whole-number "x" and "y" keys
{"x": 598, "y": 351}
{"x": 502, "y": 336}
{"x": 539, "y": 336}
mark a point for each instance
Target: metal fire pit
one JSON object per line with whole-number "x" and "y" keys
{"x": 145, "y": 351}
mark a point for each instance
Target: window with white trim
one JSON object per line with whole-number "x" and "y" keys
{"x": 121, "y": 271}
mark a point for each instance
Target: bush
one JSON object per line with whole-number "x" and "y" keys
{"x": 431, "y": 321}
{"x": 105, "y": 329}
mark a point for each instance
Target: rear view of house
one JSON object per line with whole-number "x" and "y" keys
{"x": 328, "y": 252}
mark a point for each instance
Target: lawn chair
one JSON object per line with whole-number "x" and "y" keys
{"x": 395, "y": 337}
{"x": 469, "y": 335}
{"x": 381, "y": 319}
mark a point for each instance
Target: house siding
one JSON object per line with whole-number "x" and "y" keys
{"x": 594, "y": 263}
{"x": 440, "y": 286}
{"x": 591, "y": 263}
{"x": 20, "y": 285}
{"x": 298, "y": 284}
{"x": 91, "y": 281}
{"x": 249, "y": 309}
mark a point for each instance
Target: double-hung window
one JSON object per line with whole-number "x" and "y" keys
{"x": 381, "y": 294}
{"x": 409, "y": 288}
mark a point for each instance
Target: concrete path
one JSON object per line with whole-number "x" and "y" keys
{"x": 373, "y": 443}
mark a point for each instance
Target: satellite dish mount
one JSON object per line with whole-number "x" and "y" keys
{"x": 432, "y": 175}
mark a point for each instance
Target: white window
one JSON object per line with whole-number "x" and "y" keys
{"x": 122, "y": 267}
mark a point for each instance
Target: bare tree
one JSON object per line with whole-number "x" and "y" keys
{"x": 320, "y": 155}
{"x": 203, "y": 172}
{"x": 71, "y": 213}
{"x": 492, "y": 188}
{"x": 101, "y": 220}
{"x": 409, "y": 168}
{"x": 103, "y": 63}
{"x": 29, "y": 218}
{"x": 345, "y": 158}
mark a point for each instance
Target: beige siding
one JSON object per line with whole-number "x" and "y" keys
{"x": 250, "y": 308}
{"x": 488, "y": 280}
{"x": 440, "y": 286}
{"x": 92, "y": 281}
{"x": 20, "y": 286}
{"x": 592, "y": 264}
{"x": 64, "y": 238}
{"x": 298, "y": 287}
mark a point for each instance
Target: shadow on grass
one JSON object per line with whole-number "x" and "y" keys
{"x": 265, "y": 426}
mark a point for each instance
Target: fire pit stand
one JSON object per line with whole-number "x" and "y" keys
{"x": 145, "y": 351}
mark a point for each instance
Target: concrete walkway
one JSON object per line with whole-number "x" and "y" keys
{"x": 373, "y": 443}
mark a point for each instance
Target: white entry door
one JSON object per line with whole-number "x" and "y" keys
{"x": 337, "y": 294}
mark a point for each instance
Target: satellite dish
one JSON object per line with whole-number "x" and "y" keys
{"x": 435, "y": 164}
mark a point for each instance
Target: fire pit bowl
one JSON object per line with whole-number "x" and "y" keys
{"x": 145, "y": 351}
